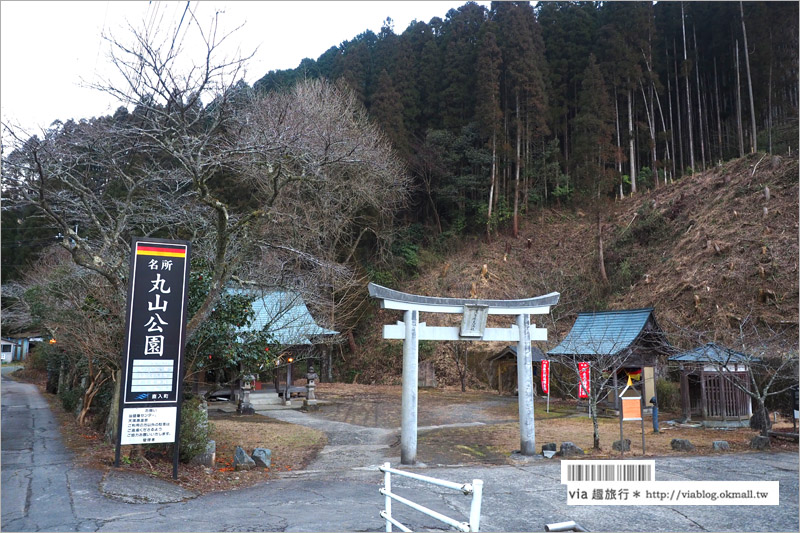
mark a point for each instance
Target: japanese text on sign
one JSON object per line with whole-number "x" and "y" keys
{"x": 583, "y": 380}
{"x": 146, "y": 425}
{"x": 156, "y": 321}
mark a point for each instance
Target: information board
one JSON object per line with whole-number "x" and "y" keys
{"x": 156, "y": 319}
{"x": 148, "y": 425}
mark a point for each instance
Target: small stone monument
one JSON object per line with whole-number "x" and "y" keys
{"x": 245, "y": 407}
{"x": 311, "y": 385}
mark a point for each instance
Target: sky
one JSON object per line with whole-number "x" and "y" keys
{"x": 51, "y": 51}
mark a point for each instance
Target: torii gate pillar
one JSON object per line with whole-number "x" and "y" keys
{"x": 408, "y": 430}
{"x": 473, "y": 328}
{"x": 527, "y": 427}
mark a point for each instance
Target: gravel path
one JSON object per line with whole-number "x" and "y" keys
{"x": 349, "y": 446}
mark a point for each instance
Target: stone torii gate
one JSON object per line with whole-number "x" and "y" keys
{"x": 473, "y": 327}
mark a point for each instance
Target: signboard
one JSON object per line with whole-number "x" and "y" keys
{"x": 156, "y": 319}
{"x": 155, "y": 331}
{"x": 632, "y": 408}
{"x": 148, "y": 425}
{"x": 545, "y": 376}
{"x": 474, "y": 322}
{"x": 583, "y": 380}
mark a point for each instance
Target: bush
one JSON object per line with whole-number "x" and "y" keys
{"x": 625, "y": 274}
{"x": 194, "y": 429}
{"x": 70, "y": 398}
{"x": 668, "y": 394}
{"x": 39, "y": 357}
{"x": 650, "y": 226}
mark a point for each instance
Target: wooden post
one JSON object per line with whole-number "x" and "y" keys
{"x": 621, "y": 436}
{"x": 685, "y": 401}
{"x": 642, "y": 408}
{"x": 703, "y": 395}
{"x": 408, "y": 430}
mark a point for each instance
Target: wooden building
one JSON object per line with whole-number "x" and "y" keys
{"x": 708, "y": 391}
{"x": 631, "y": 339}
{"x": 503, "y": 369}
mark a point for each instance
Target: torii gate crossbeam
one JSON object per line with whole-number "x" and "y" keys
{"x": 411, "y": 331}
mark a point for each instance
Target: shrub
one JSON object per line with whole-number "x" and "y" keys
{"x": 669, "y": 395}
{"x": 39, "y": 357}
{"x": 194, "y": 429}
{"x": 70, "y": 398}
{"x": 650, "y": 226}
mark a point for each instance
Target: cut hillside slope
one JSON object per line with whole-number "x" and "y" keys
{"x": 710, "y": 253}
{"x": 733, "y": 252}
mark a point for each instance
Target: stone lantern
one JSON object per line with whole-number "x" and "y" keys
{"x": 245, "y": 407}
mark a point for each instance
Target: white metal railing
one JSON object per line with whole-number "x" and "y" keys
{"x": 475, "y": 489}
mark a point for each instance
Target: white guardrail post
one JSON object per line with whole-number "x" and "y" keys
{"x": 387, "y": 484}
{"x": 475, "y": 507}
{"x": 475, "y": 490}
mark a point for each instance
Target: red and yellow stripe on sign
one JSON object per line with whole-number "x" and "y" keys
{"x": 161, "y": 251}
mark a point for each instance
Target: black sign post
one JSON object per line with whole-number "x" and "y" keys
{"x": 155, "y": 334}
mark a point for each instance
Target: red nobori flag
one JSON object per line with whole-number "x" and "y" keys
{"x": 545, "y": 376}
{"x": 583, "y": 380}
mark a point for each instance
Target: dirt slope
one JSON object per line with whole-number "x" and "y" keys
{"x": 711, "y": 253}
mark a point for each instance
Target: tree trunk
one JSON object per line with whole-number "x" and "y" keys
{"x": 601, "y": 261}
{"x": 688, "y": 96}
{"x": 769, "y": 108}
{"x": 719, "y": 121}
{"x": 678, "y": 105}
{"x": 739, "y": 104}
{"x": 113, "y": 412}
{"x": 651, "y": 124}
{"x": 88, "y": 396}
{"x": 595, "y": 425}
{"x": 491, "y": 188}
{"x": 699, "y": 100}
{"x": 671, "y": 124}
{"x": 760, "y": 420}
{"x": 631, "y": 141}
{"x": 618, "y": 154}
{"x": 516, "y": 177}
{"x": 753, "y": 139}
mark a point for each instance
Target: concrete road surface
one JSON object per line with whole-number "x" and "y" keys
{"x": 43, "y": 491}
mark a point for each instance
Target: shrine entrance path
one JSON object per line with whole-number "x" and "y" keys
{"x": 363, "y": 425}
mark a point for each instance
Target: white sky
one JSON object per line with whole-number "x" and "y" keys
{"x": 51, "y": 50}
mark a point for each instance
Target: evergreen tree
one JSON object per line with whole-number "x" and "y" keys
{"x": 387, "y": 111}
{"x": 488, "y": 110}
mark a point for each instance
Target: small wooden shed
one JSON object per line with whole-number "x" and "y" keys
{"x": 708, "y": 391}
{"x": 503, "y": 369}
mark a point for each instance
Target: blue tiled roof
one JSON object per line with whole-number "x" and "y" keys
{"x": 603, "y": 332}
{"x": 284, "y": 315}
{"x": 712, "y": 353}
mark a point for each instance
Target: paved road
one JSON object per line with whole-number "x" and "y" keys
{"x": 43, "y": 491}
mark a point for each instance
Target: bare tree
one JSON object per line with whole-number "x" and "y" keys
{"x": 301, "y": 176}
{"x": 604, "y": 363}
{"x": 459, "y": 352}
{"x": 77, "y": 308}
{"x": 768, "y": 357}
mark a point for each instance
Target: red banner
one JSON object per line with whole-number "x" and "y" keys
{"x": 545, "y": 376}
{"x": 583, "y": 380}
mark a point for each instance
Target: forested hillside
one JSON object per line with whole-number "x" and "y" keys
{"x": 498, "y": 111}
{"x": 715, "y": 255}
